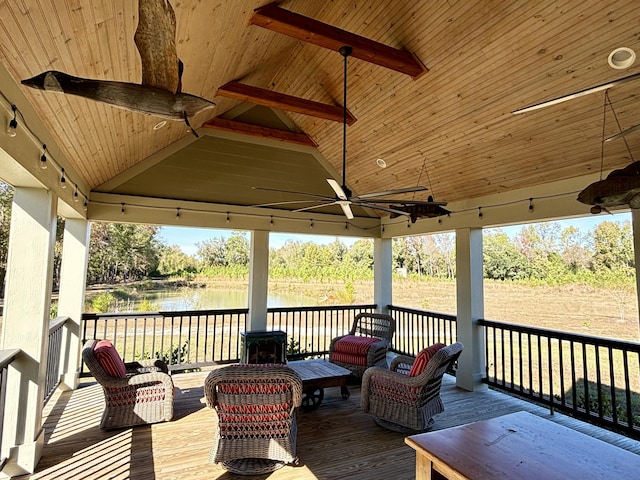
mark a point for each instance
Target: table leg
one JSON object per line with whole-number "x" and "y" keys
{"x": 424, "y": 467}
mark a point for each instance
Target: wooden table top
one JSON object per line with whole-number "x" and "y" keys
{"x": 310, "y": 370}
{"x": 523, "y": 446}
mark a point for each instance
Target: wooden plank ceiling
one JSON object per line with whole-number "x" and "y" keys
{"x": 441, "y": 117}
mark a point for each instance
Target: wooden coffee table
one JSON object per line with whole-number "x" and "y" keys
{"x": 317, "y": 375}
{"x": 519, "y": 445}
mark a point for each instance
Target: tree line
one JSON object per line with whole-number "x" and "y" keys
{"x": 542, "y": 252}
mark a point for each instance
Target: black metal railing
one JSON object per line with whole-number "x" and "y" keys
{"x": 190, "y": 339}
{"x": 310, "y": 329}
{"x": 6, "y": 357}
{"x": 595, "y": 379}
{"x": 185, "y": 339}
{"x": 54, "y": 355}
{"x": 417, "y": 329}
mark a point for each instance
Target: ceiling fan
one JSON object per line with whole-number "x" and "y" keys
{"x": 343, "y": 195}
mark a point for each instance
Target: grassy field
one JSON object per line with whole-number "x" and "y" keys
{"x": 571, "y": 308}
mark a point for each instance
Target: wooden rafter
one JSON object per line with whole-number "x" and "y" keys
{"x": 312, "y": 31}
{"x": 282, "y": 101}
{"x": 260, "y": 131}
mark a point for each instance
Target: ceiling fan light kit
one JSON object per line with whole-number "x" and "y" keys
{"x": 621, "y": 58}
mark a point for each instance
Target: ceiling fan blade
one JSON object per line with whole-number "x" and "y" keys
{"x": 408, "y": 202}
{"x": 623, "y": 133}
{"x": 380, "y": 207}
{"x": 313, "y": 207}
{"x": 346, "y": 209}
{"x": 337, "y": 188}
{"x": 273, "y": 204}
{"x": 391, "y": 192}
{"x": 313, "y": 195}
{"x": 581, "y": 93}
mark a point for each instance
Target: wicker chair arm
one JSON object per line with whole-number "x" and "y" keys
{"x": 400, "y": 360}
{"x": 152, "y": 377}
{"x": 142, "y": 378}
{"x": 146, "y": 366}
{"x": 377, "y": 374}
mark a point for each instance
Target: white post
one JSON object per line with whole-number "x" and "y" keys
{"x": 258, "y": 280}
{"x": 382, "y": 273}
{"x": 470, "y": 308}
{"x": 26, "y": 324}
{"x": 73, "y": 275}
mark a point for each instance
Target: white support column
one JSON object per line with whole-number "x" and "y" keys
{"x": 26, "y": 324}
{"x": 258, "y": 280}
{"x": 635, "y": 222}
{"x": 382, "y": 273}
{"x": 470, "y": 308}
{"x": 73, "y": 275}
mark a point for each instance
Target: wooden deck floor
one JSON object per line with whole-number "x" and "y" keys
{"x": 336, "y": 441}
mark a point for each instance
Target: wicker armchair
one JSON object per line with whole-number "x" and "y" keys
{"x": 142, "y": 394}
{"x": 403, "y": 403}
{"x": 256, "y": 405}
{"x": 366, "y": 344}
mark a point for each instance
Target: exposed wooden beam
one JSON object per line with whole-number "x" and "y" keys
{"x": 261, "y": 96}
{"x": 260, "y": 131}
{"x": 312, "y": 31}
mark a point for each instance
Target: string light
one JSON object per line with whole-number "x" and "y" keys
{"x": 177, "y": 213}
{"x": 311, "y": 224}
{"x": 12, "y": 128}
{"x": 122, "y": 209}
{"x": 271, "y": 221}
{"x": 228, "y": 219}
{"x": 531, "y": 204}
{"x": 85, "y": 205}
{"x": 43, "y": 158}
{"x": 479, "y": 212}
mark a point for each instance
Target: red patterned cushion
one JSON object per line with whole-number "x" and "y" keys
{"x": 354, "y": 345}
{"x": 109, "y": 359}
{"x": 423, "y": 358}
{"x": 349, "y": 359}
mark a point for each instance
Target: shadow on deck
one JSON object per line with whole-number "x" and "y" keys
{"x": 336, "y": 441}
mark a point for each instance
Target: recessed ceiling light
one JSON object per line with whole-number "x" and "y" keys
{"x": 159, "y": 125}
{"x": 621, "y": 58}
{"x": 381, "y": 163}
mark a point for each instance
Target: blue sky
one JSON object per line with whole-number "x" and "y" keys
{"x": 187, "y": 238}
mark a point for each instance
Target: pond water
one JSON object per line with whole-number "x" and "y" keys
{"x": 209, "y": 299}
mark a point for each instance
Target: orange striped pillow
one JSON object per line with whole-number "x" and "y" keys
{"x": 423, "y": 359}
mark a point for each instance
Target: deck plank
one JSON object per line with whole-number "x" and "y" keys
{"x": 335, "y": 441}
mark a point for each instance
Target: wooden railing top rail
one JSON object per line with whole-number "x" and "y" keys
{"x": 560, "y": 335}
{"x": 444, "y": 316}
{"x": 7, "y": 356}
{"x": 57, "y": 323}
{"x": 172, "y": 313}
{"x": 320, "y": 308}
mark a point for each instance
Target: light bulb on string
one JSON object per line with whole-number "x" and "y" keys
{"x": 43, "y": 158}
{"x": 85, "y": 205}
{"x": 63, "y": 180}
{"x": 76, "y": 196}
{"x": 12, "y": 128}
{"x": 122, "y": 209}
{"x": 177, "y": 213}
